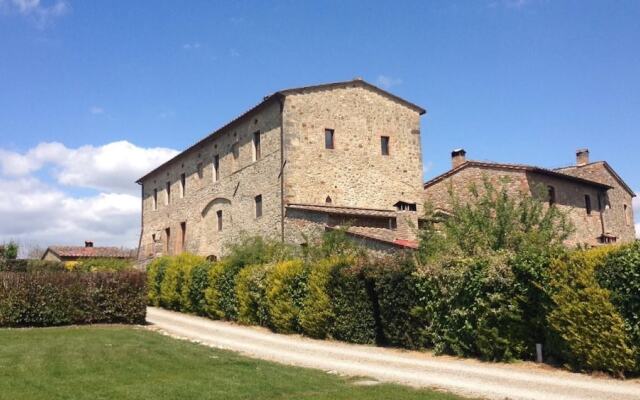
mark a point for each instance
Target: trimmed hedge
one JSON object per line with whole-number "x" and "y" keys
{"x": 220, "y": 296}
{"x": 25, "y": 265}
{"x": 251, "y": 292}
{"x": 63, "y": 298}
{"x": 285, "y": 295}
{"x": 174, "y": 289}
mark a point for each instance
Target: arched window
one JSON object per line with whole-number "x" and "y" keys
{"x": 328, "y": 200}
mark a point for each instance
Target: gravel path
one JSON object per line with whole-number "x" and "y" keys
{"x": 465, "y": 377}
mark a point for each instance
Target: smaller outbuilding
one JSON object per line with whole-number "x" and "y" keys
{"x": 78, "y": 253}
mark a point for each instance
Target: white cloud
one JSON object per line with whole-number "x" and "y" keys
{"x": 387, "y": 81}
{"x": 95, "y": 110}
{"x": 191, "y": 46}
{"x": 636, "y": 214}
{"x": 35, "y": 212}
{"x": 42, "y": 14}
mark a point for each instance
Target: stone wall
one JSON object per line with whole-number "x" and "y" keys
{"x": 240, "y": 180}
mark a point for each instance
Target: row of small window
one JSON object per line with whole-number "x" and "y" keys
{"x": 257, "y": 153}
{"x": 329, "y": 141}
{"x": 587, "y": 203}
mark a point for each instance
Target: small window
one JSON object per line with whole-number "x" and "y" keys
{"x": 183, "y": 235}
{"x": 153, "y": 237}
{"x": 200, "y": 172}
{"x": 258, "y": 200}
{"x": 626, "y": 214}
{"x": 328, "y": 138}
{"x": 219, "y": 216}
{"x": 155, "y": 199}
{"x": 587, "y": 203}
{"x": 235, "y": 149}
{"x": 183, "y": 185}
{"x": 599, "y": 202}
{"x": 216, "y": 168}
{"x": 167, "y": 240}
{"x": 384, "y": 145}
{"x": 256, "y": 146}
{"x": 328, "y": 200}
{"x": 168, "y": 192}
{"x": 551, "y": 192}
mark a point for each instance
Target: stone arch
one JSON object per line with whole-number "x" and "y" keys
{"x": 215, "y": 203}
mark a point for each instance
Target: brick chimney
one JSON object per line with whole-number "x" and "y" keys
{"x": 88, "y": 243}
{"x": 458, "y": 157}
{"x": 582, "y": 157}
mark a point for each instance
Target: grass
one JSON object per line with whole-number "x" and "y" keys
{"x": 118, "y": 362}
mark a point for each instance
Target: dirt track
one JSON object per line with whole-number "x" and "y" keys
{"x": 419, "y": 369}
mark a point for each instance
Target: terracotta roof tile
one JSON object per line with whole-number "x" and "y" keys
{"x": 90, "y": 252}
{"x": 369, "y": 212}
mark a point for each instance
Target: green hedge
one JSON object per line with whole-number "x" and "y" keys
{"x": 251, "y": 292}
{"x": 285, "y": 294}
{"x": 63, "y": 298}
{"x": 22, "y": 265}
{"x": 174, "y": 289}
{"x": 220, "y": 296}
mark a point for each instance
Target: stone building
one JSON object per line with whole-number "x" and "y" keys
{"x": 300, "y": 162}
{"x": 72, "y": 254}
{"x": 596, "y": 199}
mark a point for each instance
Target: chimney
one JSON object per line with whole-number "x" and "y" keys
{"x": 458, "y": 157}
{"x": 88, "y": 243}
{"x": 582, "y": 157}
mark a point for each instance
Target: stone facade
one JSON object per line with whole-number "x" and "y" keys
{"x": 571, "y": 186}
{"x": 293, "y": 167}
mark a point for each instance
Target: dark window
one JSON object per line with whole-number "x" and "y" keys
{"x": 626, "y": 214}
{"x": 235, "y": 149}
{"x": 219, "y": 215}
{"x": 168, "y": 192}
{"x": 183, "y": 235}
{"x": 155, "y": 199}
{"x": 256, "y": 146}
{"x": 551, "y": 191}
{"x": 153, "y": 237}
{"x": 328, "y": 138}
{"x": 258, "y": 200}
{"x": 183, "y": 184}
{"x": 216, "y": 168}
{"x": 384, "y": 145}
{"x": 599, "y": 202}
{"x": 167, "y": 240}
{"x": 199, "y": 170}
{"x": 328, "y": 200}
{"x": 587, "y": 203}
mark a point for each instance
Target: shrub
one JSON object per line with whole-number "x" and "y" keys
{"x": 471, "y": 308}
{"x": 196, "y": 286}
{"x": 286, "y": 292}
{"x": 103, "y": 264}
{"x": 252, "y": 296}
{"x": 316, "y": 317}
{"x": 397, "y": 298}
{"x": 586, "y": 332}
{"x": 177, "y": 276}
{"x": 220, "y": 296}
{"x": 353, "y": 309}
{"x": 155, "y": 276}
{"x": 23, "y": 265}
{"x": 62, "y": 298}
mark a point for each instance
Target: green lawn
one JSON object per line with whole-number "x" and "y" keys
{"x": 133, "y": 363}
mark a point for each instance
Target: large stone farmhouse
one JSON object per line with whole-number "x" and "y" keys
{"x": 303, "y": 161}
{"x": 595, "y": 198}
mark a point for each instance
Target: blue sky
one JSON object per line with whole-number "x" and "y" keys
{"x": 509, "y": 80}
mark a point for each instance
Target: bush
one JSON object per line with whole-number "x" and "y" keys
{"x": 23, "y": 265}
{"x": 286, "y": 292}
{"x": 317, "y": 316}
{"x": 155, "y": 276}
{"x": 220, "y": 296}
{"x": 586, "y": 332}
{"x": 103, "y": 264}
{"x": 619, "y": 272}
{"x": 196, "y": 286}
{"x": 176, "y": 280}
{"x": 252, "y": 295}
{"x": 62, "y": 298}
{"x": 397, "y": 299}
{"x": 353, "y": 308}
{"x": 471, "y": 308}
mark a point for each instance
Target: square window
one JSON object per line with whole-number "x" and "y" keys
{"x": 329, "y": 138}
{"x": 384, "y": 145}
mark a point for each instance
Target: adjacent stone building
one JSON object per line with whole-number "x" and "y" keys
{"x": 596, "y": 199}
{"x": 302, "y": 161}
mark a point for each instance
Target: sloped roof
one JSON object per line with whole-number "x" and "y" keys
{"x": 378, "y": 234}
{"x": 514, "y": 167}
{"x": 89, "y": 252}
{"x": 607, "y": 167}
{"x": 366, "y": 212}
{"x": 279, "y": 95}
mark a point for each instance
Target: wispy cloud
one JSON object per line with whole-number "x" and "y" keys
{"x": 388, "y": 81}
{"x": 95, "y": 110}
{"x": 191, "y": 46}
{"x": 41, "y": 14}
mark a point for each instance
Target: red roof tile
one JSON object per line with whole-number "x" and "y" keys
{"x": 90, "y": 252}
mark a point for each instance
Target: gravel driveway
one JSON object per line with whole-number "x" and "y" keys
{"x": 465, "y": 377}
